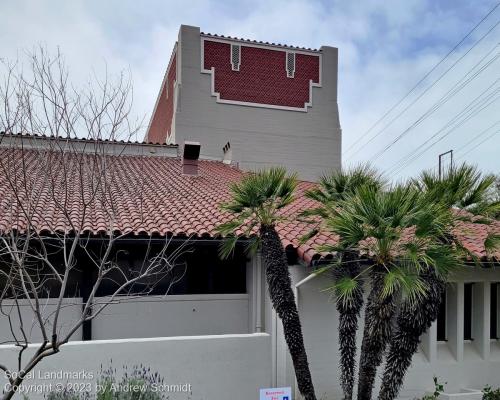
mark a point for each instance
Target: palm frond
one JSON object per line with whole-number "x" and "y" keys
{"x": 255, "y": 200}
{"x": 344, "y": 289}
{"x": 228, "y": 228}
{"x": 492, "y": 243}
{"x": 227, "y": 246}
{"x": 307, "y": 236}
{"x": 252, "y": 245}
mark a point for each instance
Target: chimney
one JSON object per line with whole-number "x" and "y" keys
{"x": 190, "y": 156}
{"x": 228, "y": 153}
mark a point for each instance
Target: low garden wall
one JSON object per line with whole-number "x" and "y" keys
{"x": 222, "y": 367}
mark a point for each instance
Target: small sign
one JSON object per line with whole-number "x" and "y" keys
{"x": 276, "y": 394}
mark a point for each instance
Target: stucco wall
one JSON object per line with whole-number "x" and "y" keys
{"x": 174, "y": 316}
{"x": 460, "y": 364}
{"x": 152, "y": 316}
{"x": 306, "y": 142}
{"x": 70, "y": 313}
{"x": 224, "y": 367}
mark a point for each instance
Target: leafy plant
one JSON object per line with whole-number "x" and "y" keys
{"x": 491, "y": 394}
{"x": 145, "y": 382}
{"x": 438, "y": 389}
{"x": 257, "y": 204}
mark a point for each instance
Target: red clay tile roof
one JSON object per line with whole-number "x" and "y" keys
{"x": 150, "y": 195}
{"x": 206, "y": 34}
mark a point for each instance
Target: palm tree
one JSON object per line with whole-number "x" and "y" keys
{"x": 256, "y": 204}
{"x": 401, "y": 237}
{"x": 414, "y": 318}
{"x": 462, "y": 188}
{"x": 333, "y": 189}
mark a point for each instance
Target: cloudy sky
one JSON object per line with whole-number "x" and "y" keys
{"x": 385, "y": 48}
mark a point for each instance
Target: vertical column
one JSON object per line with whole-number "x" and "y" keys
{"x": 481, "y": 318}
{"x": 259, "y": 292}
{"x": 455, "y": 319}
{"x": 251, "y": 288}
{"x": 86, "y": 288}
{"x": 429, "y": 343}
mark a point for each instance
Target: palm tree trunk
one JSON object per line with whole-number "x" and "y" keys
{"x": 378, "y": 318}
{"x": 283, "y": 301}
{"x": 348, "y": 323}
{"x": 412, "y": 322}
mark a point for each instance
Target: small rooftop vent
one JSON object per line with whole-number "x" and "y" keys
{"x": 228, "y": 154}
{"x": 190, "y": 157}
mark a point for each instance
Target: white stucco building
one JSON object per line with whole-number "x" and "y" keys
{"x": 248, "y": 105}
{"x": 272, "y": 103}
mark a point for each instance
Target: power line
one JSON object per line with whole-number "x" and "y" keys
{"x": 472, "y": 109}
{"x": 423, "y": 79}
{"x": 479, "y": 144}
{"x": 477, "y": 136}
{"x": 412, "y": 157}
{"x": 461, "y": 84}
{"x": 431, "y": 86}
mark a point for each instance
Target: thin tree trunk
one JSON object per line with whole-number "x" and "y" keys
{"x": 378, "y": 326}
{"x": 348, "y": 323}
{"x": 412, "y": 322}
{"x": 283, "y": 300}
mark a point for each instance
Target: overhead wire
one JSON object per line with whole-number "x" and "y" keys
{"x": 482, "y": 101}
{"x": 457, "y": 88}
{"x": 424, "y": 78}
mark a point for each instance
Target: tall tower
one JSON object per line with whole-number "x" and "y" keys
{"x": 270, "y": 104}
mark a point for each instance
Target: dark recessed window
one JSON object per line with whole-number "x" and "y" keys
{"x": 468, "y": 294}
{"x": 494, "y": 311}
{"x": 441, "y": 320}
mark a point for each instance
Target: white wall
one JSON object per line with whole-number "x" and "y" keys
{"x": 152, "y": 316}
{"x": 305, "y": 142}
{"x": 70, "y": 314}
{"x": 224, "y": 367}
{"x": 173, "y": 315}
{"x": 461, "y": 365}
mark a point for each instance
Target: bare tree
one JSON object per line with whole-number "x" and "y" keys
{"x": 62, "y": 207}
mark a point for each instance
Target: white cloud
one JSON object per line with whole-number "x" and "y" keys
{"x": 384, "y": 47}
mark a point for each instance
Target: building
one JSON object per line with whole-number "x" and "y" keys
{"x": 259, "y": 103}
{"x": 216, "y": 328}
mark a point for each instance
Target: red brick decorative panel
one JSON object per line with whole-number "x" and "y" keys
{"x": 161, "y": 122}
{"x": 262, "y": 75}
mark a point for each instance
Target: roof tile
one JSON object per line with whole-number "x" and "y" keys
{"x": 150, "y": 196}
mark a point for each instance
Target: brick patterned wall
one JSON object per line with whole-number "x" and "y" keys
{"x": 262, "y": 76}
{"x": 161, "y": 123}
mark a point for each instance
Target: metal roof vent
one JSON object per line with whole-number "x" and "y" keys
{"x": 190, "y": 157}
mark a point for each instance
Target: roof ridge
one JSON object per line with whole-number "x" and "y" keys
{"x": 84, "y": 139}
{"x": 214, "y": 35}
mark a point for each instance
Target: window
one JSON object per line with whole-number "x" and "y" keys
{"x": 235, "y": 57}
{"x": 468, "y": 295}
{"x": 290, "y": 64}
{"x": 441, "y": 319}
{"x": 494, "y": 311}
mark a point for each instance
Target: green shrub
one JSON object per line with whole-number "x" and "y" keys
{"x": 140, "y": 377}
{"x": 490, "y": 394}
{"x": 438, "y": 389}
{"x": 108, "y": 387}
